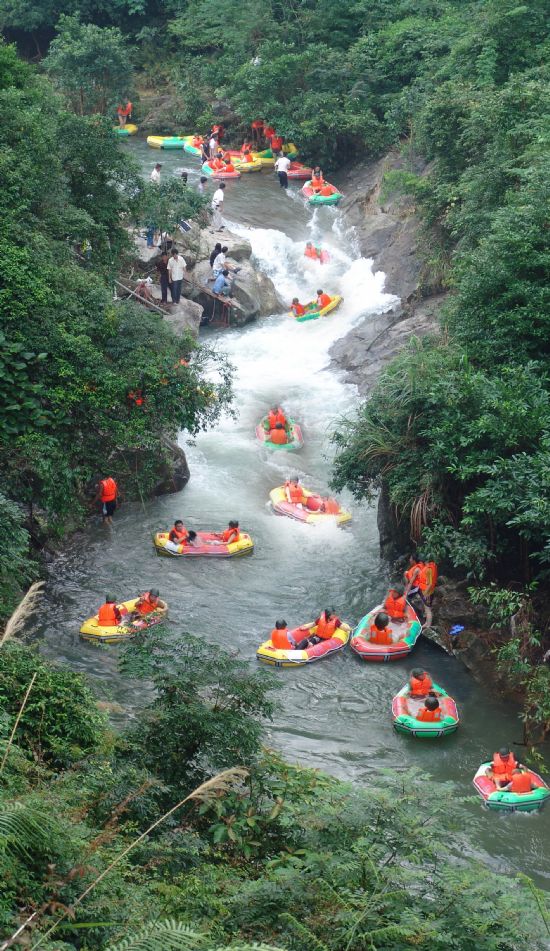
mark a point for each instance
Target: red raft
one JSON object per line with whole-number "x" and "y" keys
{"x": 299, "y": 172}
{"x": 405, "y": 636}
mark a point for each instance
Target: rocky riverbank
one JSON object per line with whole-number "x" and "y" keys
{"x": 388, "y": 231}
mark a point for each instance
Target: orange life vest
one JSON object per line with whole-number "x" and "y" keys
{"x": 521, "y": 783}
{"x": 331, "y": 507}
{"x": 429, "y": 716}
{"x": 295, "y": 492}
{"x": 276, "y": 143}
{"x": 269, "y": 131}
{"x": 145, "y": 606}
{"x": 327, "y": 190}
{"x": 380, "y": 637}
{"x": 502, "y": 769}
{"x": 279, "y": 639}
{"x": 325, "y": 629}
{"x": 410, "y": 572}
{"x": 278, "y": 437}
{"x": 298, "y": 309}
{"x": 314, "y": 503}
{"x": 246, "y": 157}
{"x": 395, "y": 607}
{"x": 274, "y": 418}
{"x": 311, "y": 253}
{"x": 229, "y": 167}
{"x": 427, "y": 578}
{"x": 258, "y": 124}
{"x": 323, "y": 301}
{"x": 125, "y": 110}
{"x": 419, "y": 688}
{"x": 108, "y": 615}
{"x": 230, "y": 535}
{"x": 108, "y": 490}
{"x": 177, "y": 534}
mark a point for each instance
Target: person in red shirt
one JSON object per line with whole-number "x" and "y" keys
{"x": 294, "y": 492}
{"x": 276, "y": 143}
{"x": 323, "y": 300}
{"x": 297, "y": 309}
{"x": 269, "y": 132}
{"x": 124, "y": 113}
{"x": 278, "y": 435}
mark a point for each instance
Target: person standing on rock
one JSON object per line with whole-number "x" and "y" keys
{"x": 176, "y": 268}
{"x": 164, "y": 278}
{"x": 217, "y": 208}
{"x": 282, "y": 166}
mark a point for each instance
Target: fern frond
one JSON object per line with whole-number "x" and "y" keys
{"x": 167, "y": 935}
{"x": 311, "y": 940}
{"x": 22, "y": 828}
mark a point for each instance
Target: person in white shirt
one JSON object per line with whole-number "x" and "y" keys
{"x": 201, "y": 187}
{"x": 217, "y": 208}
{"x": 282, "y": 166}
{"x": 220, "y": 263}
{"x": 213, "y": 145}
{"x": 176, "y": 269}
{"x": 155, "y": 174}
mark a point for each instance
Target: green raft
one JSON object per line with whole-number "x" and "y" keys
{"x": 502, "y": 800}
{"x": 404, "y": 710}
{"x": 296, "y": 440}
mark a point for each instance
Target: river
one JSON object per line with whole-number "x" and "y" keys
{"x": 334, "y": 715}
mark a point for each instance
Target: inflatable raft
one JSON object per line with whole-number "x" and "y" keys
{"x": 208, "y": 546}
{"x": 190, "y": 148}
{"x": 219, "y": 173}
{"x": 404, "y": 709}
{"x": 299, "y": 172}
{"x": 335, "y": 301}
{"x": 405, "y": 635}
{"x": 166, "y": 141}
{"x": 314, "y": 197}
{"x": 282, "y": 507}
{"x": 246, "y": 167}
{"x": 295, "y": 658}
{"x": 128, "y": 129}
{"x": 501, "y": 800}
{"x": 91, "y": 630}
{"x": 294, "y": 435}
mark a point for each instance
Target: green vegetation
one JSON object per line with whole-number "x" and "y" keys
{"x": 69, "y": 353}
{"x": 283, "y": 856}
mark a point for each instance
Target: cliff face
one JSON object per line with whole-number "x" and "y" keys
{"x": 390, "y": 233}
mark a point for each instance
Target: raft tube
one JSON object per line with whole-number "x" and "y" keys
{"x": 266, "y": 157}
{"x": 405, "y": 636}
{"x": 299, "y": 172}
{"x": 246, "y": 167}
{"x": 294, "y": 434}
{"x": 335, "y": 302}
{"x": 91, "y": 630}
{"x": 208, "y": 170}
{"x": 314, "y": 198}
{"x": 295, "y": 658}
{"x": 404, "y": 709}
{"x": 128, "y": 129}
{"x": 501, "y": 800}
{"x": 209, "y": 546}
{"x": 166, "y": 141}
{"x": 190, "y": 148}
{"x": 282, "y": 507}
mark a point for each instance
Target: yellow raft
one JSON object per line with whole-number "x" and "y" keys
{"x": 123, "y": 131}
{"x": 301, "y": 513}
{"x": 207, "y": 545}
{"x": 91, "y": 630}
{"x": 295, "y": 658}
{"x": 312, "y": 314}
{"x": 246, "y": 167}
{"x": 166, "y": 141}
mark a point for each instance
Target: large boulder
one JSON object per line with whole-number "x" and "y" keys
{"x": 183, "y": 317}
{"x": 174, "y": 473}
{"x": 254, "y": 293}
{"x": 239, "y": 249}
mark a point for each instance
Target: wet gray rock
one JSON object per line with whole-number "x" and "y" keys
{"x": 183, "y": 317}
{"x": 253, "y": 292}
{"x": 174, "y": 473}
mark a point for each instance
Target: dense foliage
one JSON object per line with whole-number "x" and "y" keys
{"x": 286, "y": 856}
{"x": 69, "y": 354}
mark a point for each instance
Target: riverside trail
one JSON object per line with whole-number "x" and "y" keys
{"x": 335, "y": 715}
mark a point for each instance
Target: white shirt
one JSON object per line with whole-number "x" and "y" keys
{"x": 213, "y": 143}
{"x": 155, "y": 176}
{"x": 219, "y": 262}
{"x": 282, "y": 164}
{"x": 176, "y": 268}
{"x": 217, "y": 198}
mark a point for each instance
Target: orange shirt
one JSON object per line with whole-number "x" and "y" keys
{"x": 323, "y": 301}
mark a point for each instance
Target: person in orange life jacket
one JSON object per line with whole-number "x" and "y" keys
{"x": 294, "y": 492}
{"x": 329, "y": 506}
{"x": 276, "y": 143}
{"x": 275, "y": 416}
{"x": 420, "y": 683}
{"x": 257, "y": 130}
{"x": 520, "y": 783}
{"x": 278, "y": 435}
{"x": 311, "y": 251}
{"x": 431, "y": 711}
{"x": 107, "y": 494}
{"x": 280, "y": 638}
{"x": 109, "y": 615}
{"x": 395, "y": 603}
{"x": 269, "y": 132}
{"x": 325, "y": 626}
{"x": 229, "y": 536}
{"x": 124, "y": 113}
{"x": 149, "y": 602}
{"x": 179, "y": 532}
{"x": 317, "y": 180}
{"x": 297, "y": 309}
{"x": 380, "y": 633}
{"x": 415, "y": 585}
{"x": 323, "y": 300}
{"x": 503, "y": 764}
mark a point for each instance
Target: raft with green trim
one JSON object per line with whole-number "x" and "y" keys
{"x": 294, "y": 435}
{"x": 502, "y": 800}
{"x": 404, "y": 637}
{"x": 91, "y": 630}
{"x": 314, "y": 197}
{"x": 404, "y": 710}
{"x": 166, "y": 141}
{"x": 335, "y": 301}
{"x": 126, "y": 130}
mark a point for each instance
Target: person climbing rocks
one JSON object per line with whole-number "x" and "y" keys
{"x": 222, "y": 286}
{"x": 164, "y": 277}
{"x": 431, "y": 711}
{"x": 220, "y": 263}
{"x": 420, "y": 581}
{"x": 278, "y": 435}
{"x": 109, "y": 615}
{"x": 107, "y": 495}
{"x": 282, "y": 166}
{"x": 380, "y": 633}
